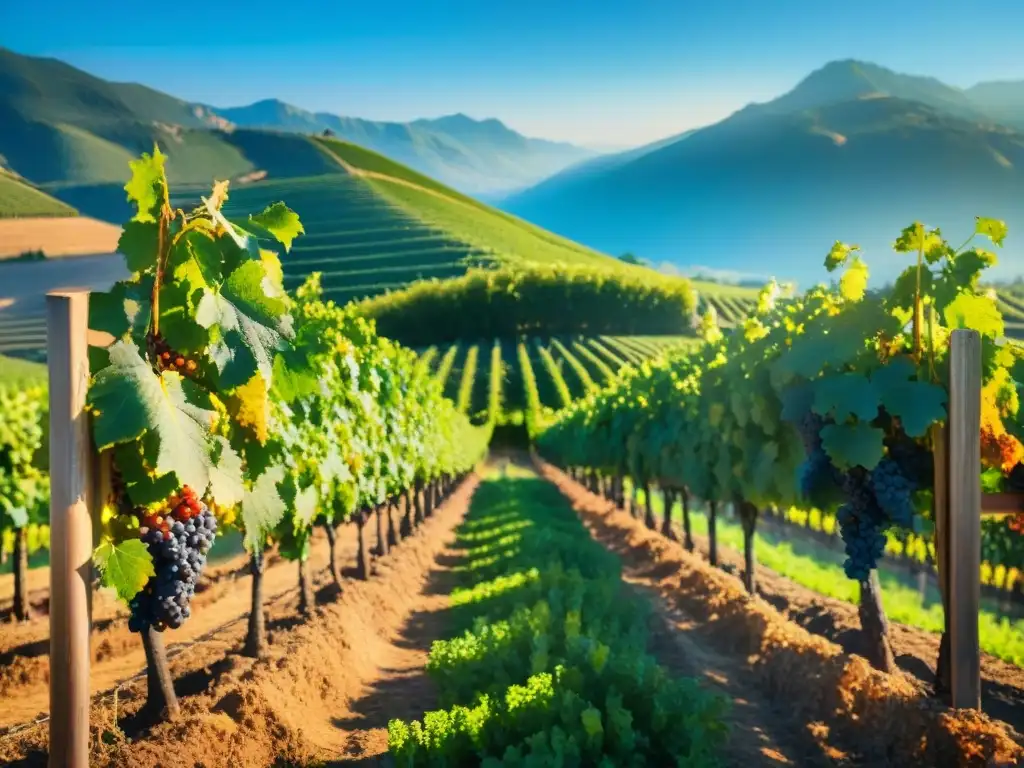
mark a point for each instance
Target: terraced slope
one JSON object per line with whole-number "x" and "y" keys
{"x": 564, "y": 368}
{"x": 372, "y": 225}
{"x": 19, "y": 200}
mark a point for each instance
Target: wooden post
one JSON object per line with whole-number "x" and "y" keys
{"x": 940, "y": 510}
{"x": 964, "y": 542}
{"x": 70, "y": 528}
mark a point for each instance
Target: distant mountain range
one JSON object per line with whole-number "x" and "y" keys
{"x": 60, "y": 126}
{"x": 854, "y": 152}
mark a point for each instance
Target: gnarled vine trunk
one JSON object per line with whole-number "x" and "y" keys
{"x": 417, "y": 499}
{"x": 649, "y": 508}
{"x": 160, "y": 696}
{"x": 428, "y": 499}
{"x": 634, "y": 501}
{"x": 875, "y": 625}
{"x": 382, "y": 536}
{"x": 392, "y": 527}
{"x": 256, "y": 636}
{"x": 406, "y": 527}
{"x": 687, "y": 531}
{"x": 748, "y": 519}
{"x": 362, "y": 552}
{"x": 22, "y": 609}
{"x": 669, "y": 500}
{"x": 713, "y": 532}
{"x": 306, "y": 599}
{"x": 332, "y": 544}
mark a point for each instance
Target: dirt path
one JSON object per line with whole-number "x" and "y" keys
{"x": 326, "y": 689}
{"x": 218, "y": 622}
{"x": 916, "y": 650}
{"x": 797, "y": 698}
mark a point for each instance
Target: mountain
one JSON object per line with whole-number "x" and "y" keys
{"x": 854, "y": 152}
{"x": 476, "y": 156}
{"x": 61, "y": 126}
{"x": 1003, "y": 100}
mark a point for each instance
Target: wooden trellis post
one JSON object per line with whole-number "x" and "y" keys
{"x": 959, "y": 505}
{"x": 70, "y": 528}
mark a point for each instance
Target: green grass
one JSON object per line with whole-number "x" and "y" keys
{"x": 18, "y": 200}
{"x": 820, "y": 569}
{"x": 21, "y": 372}
{"x": 559, "y": 367}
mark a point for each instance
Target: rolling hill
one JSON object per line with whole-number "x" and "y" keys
{"x": 74, "y": 133}
{"x": 19, "y": 199}
{"x": 854, "y": 152}
{"x": 376, "y": 225}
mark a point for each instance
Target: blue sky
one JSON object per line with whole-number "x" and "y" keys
{"x": 598, "y": 73}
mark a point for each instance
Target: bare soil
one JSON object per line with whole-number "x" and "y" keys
{"x": 322, "y": 692}
{"x": 916, "y": 650}
{"x": 70, "y": 236}
{"x": 807, "y": 701}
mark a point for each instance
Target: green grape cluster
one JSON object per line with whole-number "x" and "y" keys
{"x": 24, "y": 483}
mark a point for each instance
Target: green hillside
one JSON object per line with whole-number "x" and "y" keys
{"x": 19, "y": 199}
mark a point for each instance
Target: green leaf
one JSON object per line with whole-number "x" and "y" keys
{"x": 198, "y": 257}
{"x": 130, "y": 400}
{"x": 850, "y": 445}
{"x": 126, "y": 567}
{"x": 138, "y": 244}
{"x": 280, "y": 222}
{"x": 846, "y": 394}
{"x": 18, "y": 517}
{"x": 306, "y": 505}
{"x": 123, "y": 309}
{"x": 838, "y": 255}
{"x": 178, "y": 323}
{"x": 226, "y": 485}
{"x": 918, "y": 404}
{"x": 994, "y": 229}
{"x": 980, "y": 313}
{"x": 147, "y": 188}
{"x": 262, "y": 507}
{"x": 254, "y": 324}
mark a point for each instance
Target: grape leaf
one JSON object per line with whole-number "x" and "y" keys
{"x": 854, "y": 281}
{"x": 994, "y": 229}
{"x": 147, "y": 187}
{"x": 849, "y": 445}
{"x": 844, "y": 395}
{"x": 226, "y": 474}
{"x": 198, "y": 257}
{"x": 917, "y": 403}
{"x": 254, "y": 406}
{"x": 262, "y": 507}
{"x": 838, "y": 255}
{"x": 130, "y": 400}
{"x": 123, "y": 309}
{"x": 970, "y": 310}
{"x": 280, "y": 222}
{"x": 126, "y": 567}
{"x": 253, "y": 324}
{"x": 139, "y": 243}
{"x": 306, "y": 504}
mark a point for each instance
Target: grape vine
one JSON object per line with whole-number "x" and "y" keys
{"x": 826, "y": 398}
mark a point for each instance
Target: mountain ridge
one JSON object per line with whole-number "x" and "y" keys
{"x": 85, "y": 127}
{"x": 853, "y": 151}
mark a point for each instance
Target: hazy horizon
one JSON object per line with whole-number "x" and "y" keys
{"x": 602, "y": 76}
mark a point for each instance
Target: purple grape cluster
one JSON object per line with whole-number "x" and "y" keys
{"x": 894, "y": 492}
{"x": 178, "y": 557}
{"x": 861, "y": 521}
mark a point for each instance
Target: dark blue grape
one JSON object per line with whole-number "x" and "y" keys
{"x": 178, "y": 561}
{"x": 894, "y": 492}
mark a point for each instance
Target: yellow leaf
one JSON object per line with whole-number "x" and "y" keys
{"x": 254, "y": 406}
